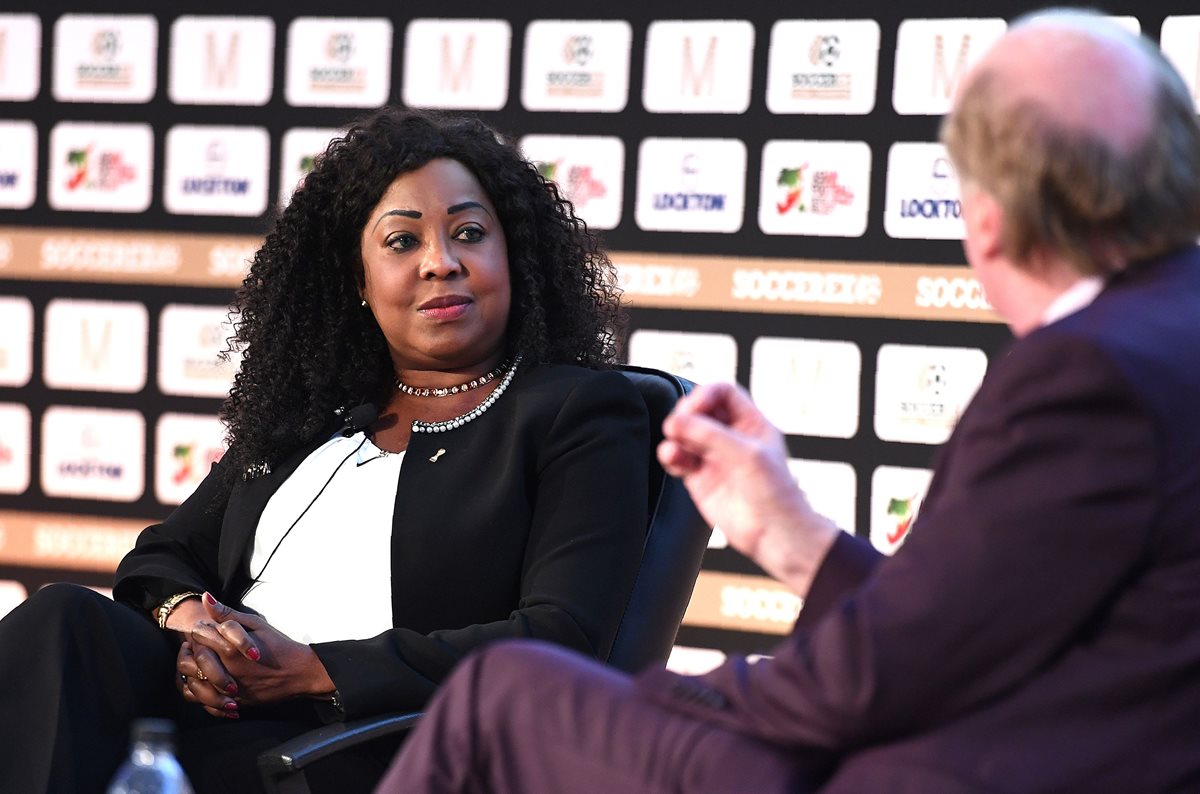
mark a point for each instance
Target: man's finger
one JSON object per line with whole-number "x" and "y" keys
{"x": 677, "y": 461}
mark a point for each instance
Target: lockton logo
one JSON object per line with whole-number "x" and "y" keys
{"x": 702, "y": 358}
{"x": 100, "y": 167}
{"x": 698, "y": 67}
{"x": 338, "y": 62}
{"x": 830, "y": 487}
{"x": 18, "y": 164}
{"x": 20, "y": 56}
{"x": 16, "y": 343}
{"x": 815, "y": 187}
{"x": 186, "y": 446}
{"x": 216, "y": 170}
{"x": 896, "y": 496}
{"x": 95, "y": 345}
{"x": 300, "y": 148}
{"x": 576, "y": 66}
{"x": 191, "y": 340}
{"x": 457, "y": 63}
{"x": 932, "y": 57}
{"x": 807, "y": 386}
{"x": 691, "y": 184}
{"x": 589, "y": 170}
{"x": 923, "y": 198}
{"x": 222, "y": 60}
{"x": 920, "y": 392}
{"x": 105, "y": 58}
{"x": 15, "y": 451}
{"x": 822, "y": 67}
{"x": 1181, "y": 44}
{"x": 93, "y": 453}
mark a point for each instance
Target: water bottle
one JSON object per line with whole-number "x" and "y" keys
{"x": 151, "y": 767}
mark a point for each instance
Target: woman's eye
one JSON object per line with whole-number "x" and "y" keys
{"x": 401, "y": 241}
{"x": 470, "y": 234}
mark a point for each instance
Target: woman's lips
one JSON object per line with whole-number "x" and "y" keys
{"x": 447, "y": 307}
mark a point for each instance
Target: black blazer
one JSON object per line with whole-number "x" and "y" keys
{"x": 1040, "y": 629}
{"x": 529, "y": 524}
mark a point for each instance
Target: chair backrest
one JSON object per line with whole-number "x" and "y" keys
{"x": 676, "y": 537}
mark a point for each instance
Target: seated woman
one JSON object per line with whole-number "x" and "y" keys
{"x": 425, "y": 454}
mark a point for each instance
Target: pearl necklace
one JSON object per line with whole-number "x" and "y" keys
{"x": 448, "y": 390}
{"x": 450, "y": 424}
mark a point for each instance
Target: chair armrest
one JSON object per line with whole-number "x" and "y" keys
{"x": 295, "y": 754}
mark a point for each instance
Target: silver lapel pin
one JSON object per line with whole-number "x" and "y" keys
{"x": 436, "y": 455}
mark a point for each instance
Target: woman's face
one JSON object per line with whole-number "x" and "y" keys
{"x": 435, "y": 270}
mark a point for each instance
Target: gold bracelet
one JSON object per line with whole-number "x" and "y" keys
{"x": 163, "y": 610}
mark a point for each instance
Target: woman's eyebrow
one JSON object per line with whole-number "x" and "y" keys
{"x": 465, "y": 205}
{"x": 414, "y": 214}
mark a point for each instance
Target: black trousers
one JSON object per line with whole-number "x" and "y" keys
{"x": 76, "y": 669}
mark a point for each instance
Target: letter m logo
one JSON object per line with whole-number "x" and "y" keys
{"x": 456, "y": 76}
{"x": 698, "y": 81}
{"x": 220, "y": 72}
{"x": 943, "y": 76}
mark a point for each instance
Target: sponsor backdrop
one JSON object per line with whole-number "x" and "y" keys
{"x": 771, "y": 190}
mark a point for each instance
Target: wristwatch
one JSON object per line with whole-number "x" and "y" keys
{"x": 163, "y": 610}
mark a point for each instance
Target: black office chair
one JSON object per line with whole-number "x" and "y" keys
{"x": 676, "y": 537}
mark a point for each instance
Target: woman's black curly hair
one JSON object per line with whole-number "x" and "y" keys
{"x": 307, "y": 345}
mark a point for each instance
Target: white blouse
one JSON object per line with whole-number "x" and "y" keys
{"x": 322, "y": 550}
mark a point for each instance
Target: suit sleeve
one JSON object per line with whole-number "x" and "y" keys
{"x": 178, "y": 555}
{"x": 1044, "y": 511}
{"x": 582, "y": 550}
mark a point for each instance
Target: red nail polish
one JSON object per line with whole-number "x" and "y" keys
{"x": 231, "y": 689}
{"x": 231, "y": 715}
{"x": 209, "y": 598}
{"x": 230, "y": 706}
{"x": 254, "y": 654}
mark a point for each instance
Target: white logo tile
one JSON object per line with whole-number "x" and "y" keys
{"x": 815, "y": 188}
{"x": 222, "y": 60}
{"x": 923, "y": 199}
{"x": 216, "y": 170}
{"x": 831, "y": 488}
{"x": 896, "y": 497}
{"x": 15, "y": 451}
{"x": 691, "y": 184}
{"x": 185, "y": 447}
{"x": 823, "y": 66}
{"x": 920, "y": 391}
{"x": 588, "y": 169}
{"x": 576, "y": 66}
{"x": 933, "y": 56}
{"x": 698, "y": 66}
{"x": 18, "y": 164}
{"x": 701, "y": 358}
{"x": 338, "y": 62}
{"x": 1181, "y": 44}
{"x": 457, "y": 63}
{"x": 190, "y": 340}
{"x": 807, "y": 386}
{"x": 16, "y": 343}
{"x": 105, "y": 58}
{"x": 93, "y": 453}
{"x": 95, "y": 345}
{"x": 300, "y": 147}
{"x": 20, "y": 57}
{"x": 101, "y": 167}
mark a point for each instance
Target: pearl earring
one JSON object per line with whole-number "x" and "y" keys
{"x": 364, "y": 303}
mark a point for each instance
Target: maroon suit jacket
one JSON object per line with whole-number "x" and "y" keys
{"x": 1040, "y": 629}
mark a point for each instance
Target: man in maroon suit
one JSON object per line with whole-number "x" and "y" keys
{"x": 1040, "y": 630}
